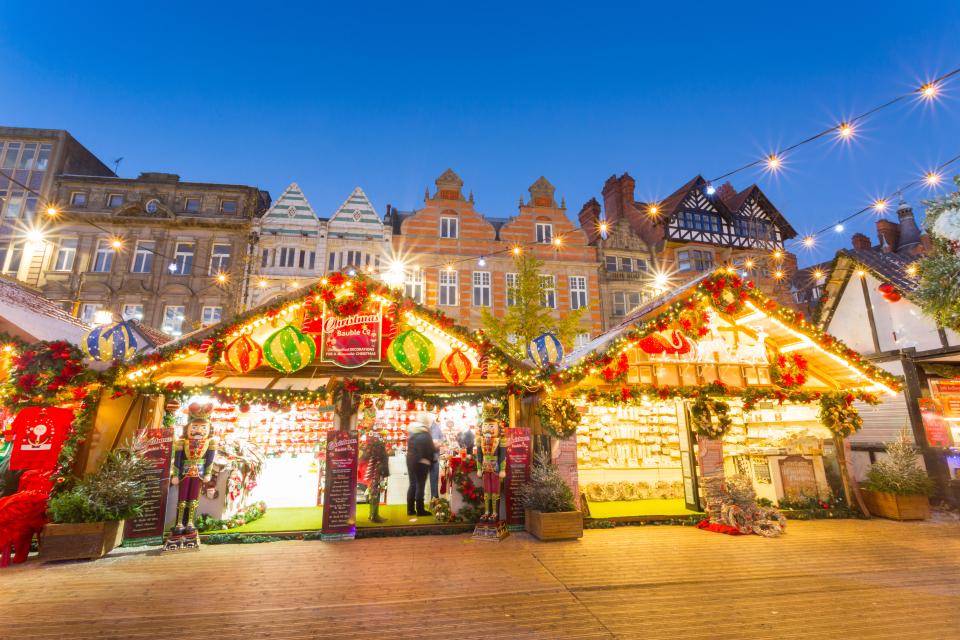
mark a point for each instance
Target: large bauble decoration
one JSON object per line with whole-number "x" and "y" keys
{"x": 545, "y": 349}
{"x": 889, "y": 292}
{"x": 456, "y": 367}
{"x": 410, "y": 353}
{"x": 110, "y": 342}
{"x": 665, "y": 342}
{"x": 287, "y": 350}
{"x": 243, "y": 355}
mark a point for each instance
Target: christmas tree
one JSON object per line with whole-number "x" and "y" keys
{"x": 938, "y": 292}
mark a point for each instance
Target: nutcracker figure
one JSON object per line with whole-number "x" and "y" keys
{"x": 491, "y": 469}
{"x": 378, "y": 470}
{"x": 193, "y": 467}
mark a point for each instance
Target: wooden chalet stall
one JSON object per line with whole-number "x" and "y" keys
{"x": 711, "y": 378}
{"x": 348, "y": 356}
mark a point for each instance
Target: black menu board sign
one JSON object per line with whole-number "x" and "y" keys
{"x": 340, "y": 487}
{"x": 159, "y": 445}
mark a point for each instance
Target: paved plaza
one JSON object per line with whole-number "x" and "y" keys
{"x": 826, "y": 579}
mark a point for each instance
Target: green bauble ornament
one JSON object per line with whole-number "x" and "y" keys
{"x": 410, "y": 353}
{"x": 287, "y": 350}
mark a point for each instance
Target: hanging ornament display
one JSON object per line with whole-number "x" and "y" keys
{"x": 456, "y": 367}
{"x": 287, "y": 350}
{"x": 889, "y": 292}
{"x": 410, "y": 353}
{"x": 545, "y": 350}
{"x": 243, "y": 355}
{"x": 665, "y": 342}
{"x": 110, "y": 342}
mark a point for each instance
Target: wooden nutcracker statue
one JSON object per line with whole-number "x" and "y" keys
{"x": 193, "y": 466}
{"x": 491, "y": 466}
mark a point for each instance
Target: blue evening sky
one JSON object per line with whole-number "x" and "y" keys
{"x": 387, "y": 96}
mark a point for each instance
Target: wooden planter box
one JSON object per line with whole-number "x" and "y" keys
{"x": 565, "y": 525}
{"x": 888, "y": 505}
{"x": 88, "y": 540}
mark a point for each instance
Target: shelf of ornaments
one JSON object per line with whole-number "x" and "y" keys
{"x": 301, "y": 429}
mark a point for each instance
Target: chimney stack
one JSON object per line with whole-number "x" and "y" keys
{"x": 888, "y": 233}
{"x": 909, "y": 232}
{"x": 589, "y": 216}
{"x": 860, "y": 242}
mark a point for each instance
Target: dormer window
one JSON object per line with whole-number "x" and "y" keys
{"x": 228, "y": 206}
{"x": 114, "y": 200}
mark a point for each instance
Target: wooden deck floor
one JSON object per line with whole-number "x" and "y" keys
{"x": 827, "y": 579}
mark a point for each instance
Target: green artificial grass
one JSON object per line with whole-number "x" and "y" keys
{"x": 626, "y": 508}
{"x": 311, "y": 519}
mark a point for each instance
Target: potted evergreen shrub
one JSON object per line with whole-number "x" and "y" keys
{"x": 551, "y": 513}
{"x": 898, "y": 487}
{"x": 87, "y": 519}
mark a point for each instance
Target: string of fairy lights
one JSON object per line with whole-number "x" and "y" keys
{"x": 773, "y": 162}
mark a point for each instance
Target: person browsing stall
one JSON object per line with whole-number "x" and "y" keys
{"x": 420, "y": 453}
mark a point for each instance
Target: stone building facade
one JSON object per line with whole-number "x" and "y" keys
{"x": 170, "y": 253}
{"x": 460, "y": 261}
{"x": 695, "y": 229}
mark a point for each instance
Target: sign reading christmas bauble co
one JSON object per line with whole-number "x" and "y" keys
{"x": 350, "y": 341}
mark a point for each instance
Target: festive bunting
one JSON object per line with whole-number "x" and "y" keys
{"x": 410, "y": 353}
{"x": 287, "y": 350}
{"x": 456, "y": 367}
{"x": 110, "y": 342}
{"x": 545, "y": 350}
{"x": 243, "y": 355}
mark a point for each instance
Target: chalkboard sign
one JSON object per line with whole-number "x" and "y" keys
{"x": 340, "y": 487}
{"x": 159, "y": 441}
{"x": 518, "y": 472}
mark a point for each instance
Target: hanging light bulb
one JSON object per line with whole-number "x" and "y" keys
{"x": 932, "y": 178}
{"x": 517, "y": 250}
{"x": 929, "y": 91}
{"x": 774, "y": 162}
{"x": 845, "y": 130}
{"x": 838, "y": 227}
{"x": 711, "y": 189}
{"x": 880, "y": 205}
{"x": 482, "y": 262}
{"x": 809, "y": 241}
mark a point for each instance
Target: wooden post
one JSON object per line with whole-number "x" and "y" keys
{"x": 851, "y": 491}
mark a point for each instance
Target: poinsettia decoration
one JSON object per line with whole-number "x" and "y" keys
{"x": 789, "y": 370}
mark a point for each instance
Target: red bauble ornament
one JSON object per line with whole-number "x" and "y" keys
{"x": 243, "y": 355}
{"x": 886, "y": 287}
{"x": 893, "y": 296}
{"x": 456, "y": 367}
{"x": 244, "y": 407}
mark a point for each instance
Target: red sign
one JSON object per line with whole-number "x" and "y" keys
{"x": 710, "y": 454}
{"x": 348, "y": 342}
{"x": 518, "y": 472}
{"x": 159, "y": 444}
{"x": 938, "y": 435}
{"x": 38, "y": 434}
{"x": 340, "y": 486}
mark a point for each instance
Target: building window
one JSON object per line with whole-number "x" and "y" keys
{"x": 624, "y": 303}
{"x": 581, "y": 340}
{"x": 14, "y": 205}
{"x": 753, "y": 228}
{"x": 173, "y": 319}
{"x": 103, "y": 259}
{"x": 210, "y": 315}
{"x": 66, "y": 255}
{"x": 481, "y": 288}
{"x": 448, "y": 227}
{"x": 44, "y": 158}
{"x": 448, "y": 288}
{"x": 313, "y": 260}
{"x": 143, "y": 256}
{"x": 353, "y": 258}
{"x": 512, "y": 293}
{"x": 611, "y": 263}
{"x": 288, "y": 257}
{"x": 26, "y": 160}
{"x": 78, "y": 199}
{"x": 626, "y": 264}
{"x": 332, "y": 264}
{"x": 693, "y": 259}
{"x": 219, "y": 259}
{"x": 544, "y": 232}
{"x": 228, "y": 206}
{"x": 114, "y": 200}
{"x": 548, "y": 291}
{"x": 88, "y": 310}
{"x": 10, "y": 160}
{"x": 183, "y": 259}
{"x": 132, "y": 312}
{"x": 578, "y": 292}
{"x": 413, "y": 284}
{"x": 700, "y": 221}
{"x": 192, "y": 205}
{"x": 10, "y": 256}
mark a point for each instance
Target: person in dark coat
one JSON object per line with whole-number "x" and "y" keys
{"x": 420, "y": 452}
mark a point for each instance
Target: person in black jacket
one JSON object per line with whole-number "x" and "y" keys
{"x": 420, "y": 452}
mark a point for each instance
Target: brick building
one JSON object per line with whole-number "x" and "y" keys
{"x": 434, "y": 241}
{"x": 173, "y": 254}
{"x": 694, "y": 229}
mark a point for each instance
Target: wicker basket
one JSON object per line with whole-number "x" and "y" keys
{"x": 88, "y": 540}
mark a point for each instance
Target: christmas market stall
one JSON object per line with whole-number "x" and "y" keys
{"x": 296, "y": 416}
{"x": 712, "y": 380}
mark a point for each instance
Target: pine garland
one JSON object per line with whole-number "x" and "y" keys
{"x": 938, "y": 291}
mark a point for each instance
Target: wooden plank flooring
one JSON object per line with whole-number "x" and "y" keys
{"x": 828, "y": 579}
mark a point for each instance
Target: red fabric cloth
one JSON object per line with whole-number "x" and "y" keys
{"x": 38, "y": 434}
{"x": 716, "y": 527}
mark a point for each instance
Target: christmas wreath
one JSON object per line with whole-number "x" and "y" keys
{"x": 558, "y": 417}
{"x": 838, "y": 414}
{"x": 341, "y": 298}
{"x": 46, "y": 371}
{"x": 702, "y": 413}
{"x": 789, "y": 371}
{"x": 729, "y": 293}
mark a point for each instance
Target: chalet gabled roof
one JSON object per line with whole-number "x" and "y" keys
{"x": 671, "y": 205}
{"x": 887, "y": 267}
{"x": 291, "y": 207}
